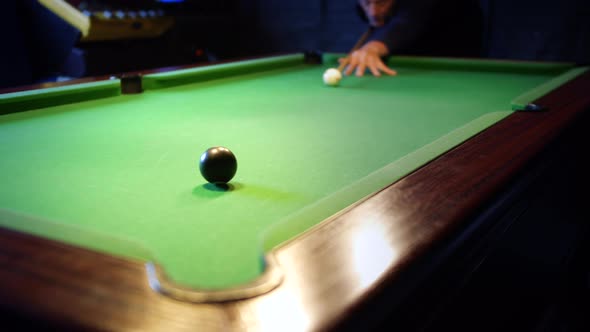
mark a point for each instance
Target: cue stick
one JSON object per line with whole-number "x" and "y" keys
{"x": 68, "y": 13}
{"x": 356, "y": 46}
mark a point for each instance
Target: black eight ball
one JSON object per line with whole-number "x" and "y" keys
{"x": 218, "y": 165}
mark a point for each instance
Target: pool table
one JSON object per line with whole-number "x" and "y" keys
{"x": 342, "y": 194}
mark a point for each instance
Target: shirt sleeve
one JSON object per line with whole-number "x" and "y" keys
{"x": 49, "y": 39}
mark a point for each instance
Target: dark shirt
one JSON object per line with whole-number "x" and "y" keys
{"x": 433, "y": 27}
{"x": 36, "y": 42}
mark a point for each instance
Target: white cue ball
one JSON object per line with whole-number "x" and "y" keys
{"x": 332, "y": 77}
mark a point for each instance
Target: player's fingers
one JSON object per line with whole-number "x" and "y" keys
{"x": 352, "y": 61}
{"x": 386, "y": 69}
{"x": 374, "y": 68}
{"x": 351, "y": 66}
{"x": 360, "y": 70}
{"x": 343, "y": 62}
{"x": 362, "y": 66}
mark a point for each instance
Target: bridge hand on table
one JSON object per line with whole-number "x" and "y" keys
{"x": 367, "y": 57}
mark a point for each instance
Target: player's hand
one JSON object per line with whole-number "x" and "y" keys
{"x": 367, "y": 57}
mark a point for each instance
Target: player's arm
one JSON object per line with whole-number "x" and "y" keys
{"x": 400, "y": 33}
{"x": 50, "y": 39}
{"x": 69, "y": 14}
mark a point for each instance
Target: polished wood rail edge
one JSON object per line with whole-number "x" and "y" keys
{"x": 435, "y": 201}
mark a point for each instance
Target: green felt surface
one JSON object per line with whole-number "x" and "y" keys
{"x": 120, "y": 174}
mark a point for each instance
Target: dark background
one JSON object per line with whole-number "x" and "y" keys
{"x": 231, "y": 29}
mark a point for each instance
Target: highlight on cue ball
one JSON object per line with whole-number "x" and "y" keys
{"x": 218, "y": 165}
{"x": 332, "y": 77}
